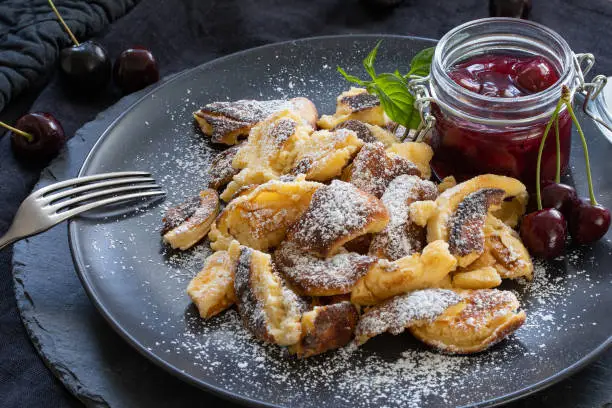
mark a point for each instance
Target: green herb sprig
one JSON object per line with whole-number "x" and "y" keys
{"x": 392, "y": 88}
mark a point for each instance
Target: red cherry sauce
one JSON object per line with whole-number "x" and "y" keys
{"x": 465, "y": 149}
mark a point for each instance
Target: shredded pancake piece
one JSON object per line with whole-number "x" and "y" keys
{"x": 415, "y": 152}
{"x": 466, "y": 225}
{"x": 270, "y": 310}
{"x": 225, "y": 122}
{"x": 326, "y": 328}
{"x": 356, "y": 104}
{"x": 212, "y": 289}
{"x": 186, "y": 224}
{"x": 386, "y": 279}
{"x": 337, "y": 214}
{"x": 260, "y": 219}
{"x": 400, "y": 312}
{"x": 310, "y": 275}
{"x": 368, "y": 133}
{"x": 221, "y": 170}
{"x": 325, "y": 153}
{"x": 448, "y": 201}
{"x": 373, "y": 169}
{"x": 482, "y": 318}
{"x": 401, "y": 237}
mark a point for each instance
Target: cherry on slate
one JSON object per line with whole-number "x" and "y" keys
{"x": 561, "y": 197}
{"x": 588, "y": 222}
{"x": 84, "y": 67}
{"x": 36, "y": 136}
{"x": 544, "y": 232}
{"x": 135, "y": 69}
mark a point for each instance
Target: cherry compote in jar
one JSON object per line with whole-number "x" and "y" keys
{"x": 495, "y": 83}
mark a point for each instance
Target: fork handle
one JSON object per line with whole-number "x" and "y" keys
{"x": 8, "y": 238}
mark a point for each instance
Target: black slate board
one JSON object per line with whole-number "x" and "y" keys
{"x": 91, "y": 360}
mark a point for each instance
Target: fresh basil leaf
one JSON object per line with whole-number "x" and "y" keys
{"x": 368, "y": 62}
{"x": 351, "y": 78}
{"x": 395, "y": 98}
{"x": 421, "y": 63}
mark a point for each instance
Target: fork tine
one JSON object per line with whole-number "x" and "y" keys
{"x": 66, "y": 193}
{"x": 102, "y": 193}
{"x": 87, "y": 179}
{"x": 86, "y": 207}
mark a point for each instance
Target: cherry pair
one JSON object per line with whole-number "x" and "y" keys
{"x": 85, "y": 67}
{"x": 544, "y": 232}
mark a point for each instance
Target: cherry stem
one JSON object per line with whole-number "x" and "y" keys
{"x": 585, "y": 150}
{"x": 28, "y": 136}
{"x": 544, "y": 136}
{"x": 59, "y": 16}
{"x": 558, "y": 175}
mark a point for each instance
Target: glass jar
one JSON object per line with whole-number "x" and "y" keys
{"x": 476, "y": 134}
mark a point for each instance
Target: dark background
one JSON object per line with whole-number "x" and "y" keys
{"x": 185, "y": 33}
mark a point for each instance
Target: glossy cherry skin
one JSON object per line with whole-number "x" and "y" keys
{"x": 85, "y": 68}
{"x": 589, "y": 222}
{"x": 135, "y": 69}
{"x": 536, "y": 76}
{"x": 560, "y": 196}
{"x": 544, "y": 232}
{"x": 48, "y": 137}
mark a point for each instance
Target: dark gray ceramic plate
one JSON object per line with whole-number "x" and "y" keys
{"x": 139, "y": 286}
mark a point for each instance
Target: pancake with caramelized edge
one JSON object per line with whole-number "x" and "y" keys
{"x": 269, "y": 151}
{"x": 401, "y": 312}
{"x": 221, "y": 170}
{"x": 355, "y": 104}
{"x": 401, "y": 237}
{"x": 326, "y": 328}
{"x": 482, "y": 318}
{"x": 369, "y": 133}
{"x": 448, "y": 201}
{"x": 325, "y": 153}
{"x": 337, "y": 214}
{"x": 260, "y": 219}
{"x": 212, "y": 289}
{"x": 373, "y": 169}
{"x": 418, "y": 153}
{"x": 226, "y": 122}
{"x": 417, "y": 271}
{"x": 270, "y": 310}
{"x": 186, "y": 224}
{"x": 466, "y": 224}
{"x": 313, "y": 276}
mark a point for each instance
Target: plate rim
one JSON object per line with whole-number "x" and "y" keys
{"x": 80, "y": 268}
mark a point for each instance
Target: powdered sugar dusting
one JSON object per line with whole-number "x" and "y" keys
{"x": 335, "y": 212}
{"x": 401, "y": 237}
{"x": 309, "y": 273}
{"x": 398, "y": 313}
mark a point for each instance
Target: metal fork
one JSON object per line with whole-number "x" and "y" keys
{"x": 57, "y": 202}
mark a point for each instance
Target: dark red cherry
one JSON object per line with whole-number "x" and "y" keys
{"x": 536, "y": 75}
{"x": 544, "y": 232}
{"x": 47, "y": 137}
{"x": 85, "y": 68}
{"x": 560, "y": 196}
{"x": 588, "y": 222}
{"x": 134, "y": 69}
